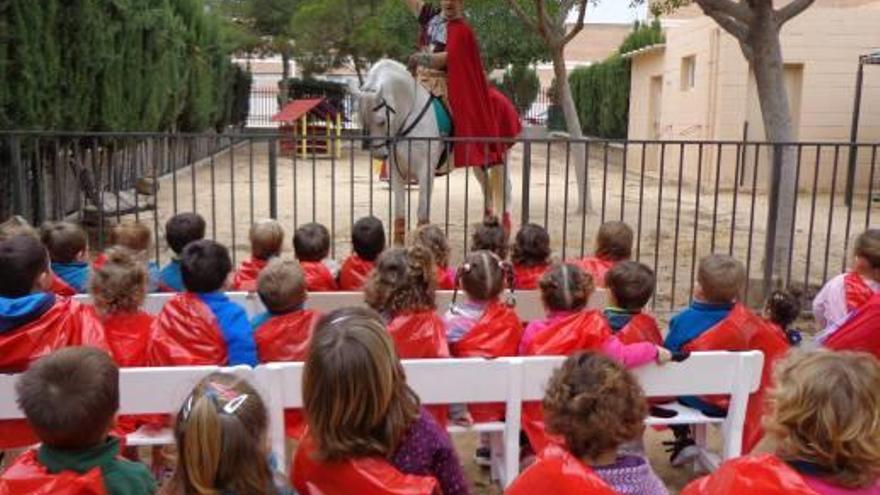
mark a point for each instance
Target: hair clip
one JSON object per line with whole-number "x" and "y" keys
{"x": 234, "y": 405}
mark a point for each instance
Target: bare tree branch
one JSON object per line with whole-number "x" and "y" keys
{"x": 544, "y": 22}
{"x": 738, "y": 29}
{"x": 794, "y": 8}
{"x": 526, "y": 18}
{"x": 579, "y": 25}
{"x": 737, "y": 10}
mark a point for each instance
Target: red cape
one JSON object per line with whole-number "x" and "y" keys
{"x": 557, "y": 472}
{"x": 641, "y": 328}
{"x": 286, "y": 338}
{"x": 354, "y": 273}
{"x": 419, "y": 335}
{"x": 861, "y": 332}
{"x": 186, "y": 333}
{"x": 445, "y": 278}
{"x": 61, "y": 288}
{"x": 856, "y": 290}
{"x": 362, "y": 476}
{"x": 581, "y": 331}
{"x": 597, "y": 268}
{"x": 66, "y": 323}
{"x": 743, "y": 330}
{"x": 527, "y": 277}
{"x": 318, "y": 277}
{"x": 26, "y": 476}
{"x": 245, "y": 278}
{"x": 476, "y": 111}
{"x": 128, "y": 335}
{"x": 496, "y": 334}
{"x": 758, "y": 475}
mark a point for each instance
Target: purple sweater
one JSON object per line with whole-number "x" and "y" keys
{"x": 631, "y": 475}
{"x": 427, "y": 450}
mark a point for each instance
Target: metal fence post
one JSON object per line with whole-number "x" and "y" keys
{"x": 17, "y": 177}
{"x": 526, "y": 180}
{"x": 273, "y": 178}
{"x": 772, "y": 213}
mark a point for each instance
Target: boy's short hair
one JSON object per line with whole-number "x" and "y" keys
{"x": 532, "y": 246}
{"x": 281, "y": 286}
{"x": 70, "y": 397}
{"x": 311, "y": 242}
{"x": 721, "y": 278}
{"x": 204, "y": 266}
{"x": 17, "y": 225}
{"x": 368, "y": 238}
{"x": 783, "y": 307}
{"x": 64, "y": 240}
{"x": 614, "y": 241}
{"x": 183, "y": 228}
{"x": 266, "y": 237}
{"x": 132, "y": 235}
{"x": 490, "y": 236}
{"x": 867, "y": 246}
{"x": 22, "y": 260}
{"x": 631, "y": 283}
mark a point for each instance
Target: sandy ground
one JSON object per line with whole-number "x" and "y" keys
{"x": 676, "y": 224}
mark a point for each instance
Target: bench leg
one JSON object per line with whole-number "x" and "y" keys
{"x": 496, "y": 445}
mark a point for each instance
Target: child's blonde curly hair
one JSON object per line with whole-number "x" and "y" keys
{"x": 120, "y": 284}
{"x": 825, "y": 410}
{"x": 403, "y": 280}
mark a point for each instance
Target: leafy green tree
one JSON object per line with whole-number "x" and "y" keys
{"x": 521, "y": 84}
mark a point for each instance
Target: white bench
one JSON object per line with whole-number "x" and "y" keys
{"x": 449, "y": 381}
{"x": 528, "y": 303}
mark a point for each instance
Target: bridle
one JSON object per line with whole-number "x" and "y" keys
{"x": 391, "y": 140}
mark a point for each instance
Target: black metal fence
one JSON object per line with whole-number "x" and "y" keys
{"x": 684, "y": 200}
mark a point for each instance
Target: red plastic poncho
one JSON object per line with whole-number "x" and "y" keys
{"x": 445, "y": 278}
{"x": 61, "y": 288}
{"x": 354, "y": 273}
{"x": 127, "y": 336}
{"x": 362, "y": 476}
{"x": 856, "y": 290}
{"x": 758, "y": 475}
{"x": 496, "y": 334}
{"x": 861, "y": 332}
{"x": 476, "y": 111}
{"x": 186, "y": 333}
{"x": 26, "y": 476}
{"x": 579, "y": 332}
{"x": 286, "y": 338}
{"x": 318, "y": 277}
{"x": 743, "y": 330}
{"x": 527, "y": 277}
{"x": 245, "y": 278}
{"x": 557, "y": 472}
{"x": 66, "y": 323}
{"x": 597, "y": 268}
{"x": 641, "y": 328}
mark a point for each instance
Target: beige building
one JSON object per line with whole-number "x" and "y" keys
{"x": 698, "y": 85}
{"x": 595, "y": 43}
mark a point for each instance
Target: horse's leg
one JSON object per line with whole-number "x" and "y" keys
{"x": 398, "y": 231}
{"x": 502, "y": 189}
{"x": 483, "y": 178}
{"x": 425, "y": 166}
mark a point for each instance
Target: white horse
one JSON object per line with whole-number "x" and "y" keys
{"x": 398, "y": 114}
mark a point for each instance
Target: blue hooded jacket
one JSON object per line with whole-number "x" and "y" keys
{"x": 19, "y": 311}
{"x": 75, "y": 274}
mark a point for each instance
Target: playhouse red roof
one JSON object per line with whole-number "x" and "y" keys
{"x": 294, "y": 110}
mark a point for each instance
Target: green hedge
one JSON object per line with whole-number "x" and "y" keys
{"x": 116, "y": 65}
{"x": 601, "y": 91}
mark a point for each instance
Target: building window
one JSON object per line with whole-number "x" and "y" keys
{"x": 688, "y": 72}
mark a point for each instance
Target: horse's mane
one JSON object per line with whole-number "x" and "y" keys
{"x": 382, "y": 69}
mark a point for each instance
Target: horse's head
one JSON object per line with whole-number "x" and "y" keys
{"x": 384, "y": 100}
{"x": 377, "y": 117}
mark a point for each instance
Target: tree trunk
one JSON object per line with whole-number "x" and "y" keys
{"x": 767, "y": 65}
{"x": 285, "y": 75}
{"x": 573, "y": 124}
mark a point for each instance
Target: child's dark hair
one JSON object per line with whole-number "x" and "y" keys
{"x": 183, "y": 228}
{"x": 565, "y": 287}
{"x": 204, "y": 266}
{"x": 595, "y": 404}
{"x": 311, "y": 242}
{"x": 368, "y": 238}
{"x": 783, "y": 307}
{"x": 631, "y": 283}
{"x": 482, "y": 275}
{"x": 64, "y": 240}
{"x": 266, "y": 238}
{"x": 404, "y": 279}
{"x": 22, "y": 260}
{"x": 490, "y": 235}
{"x": 614, "y": 241}
{"x": 70, "y": 397}
{"x": 532, "y": 246}
{"x": 220, "y": 433}
{"x": 432, "y": 237}
{"x": 281, "y": 286}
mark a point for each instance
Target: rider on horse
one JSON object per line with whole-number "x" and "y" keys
{"x": 448, "y": 64}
